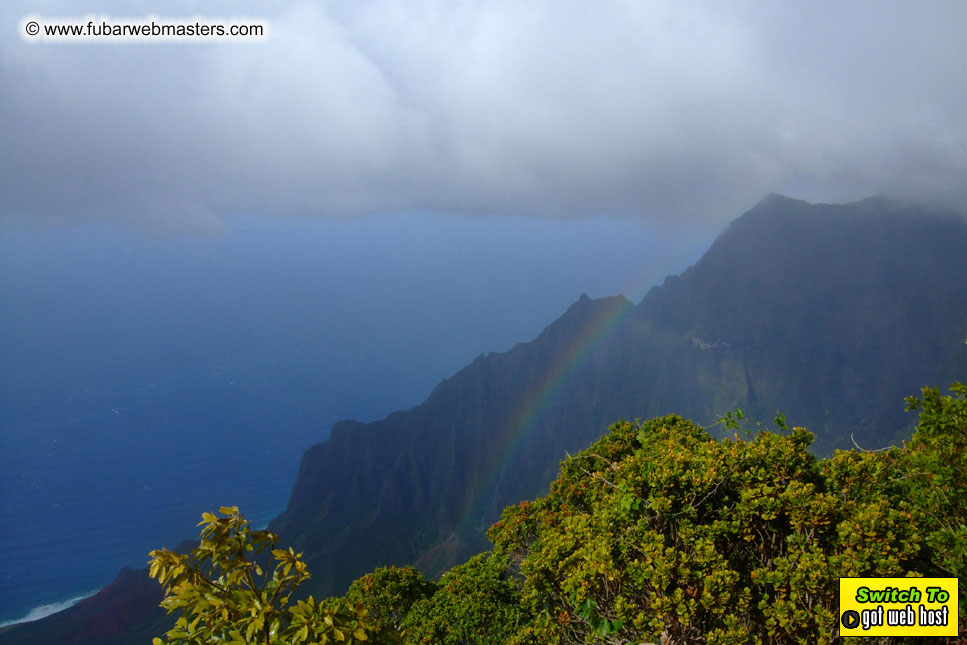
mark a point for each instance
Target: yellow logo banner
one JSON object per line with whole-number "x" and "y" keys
{"x": 898, "y": 606}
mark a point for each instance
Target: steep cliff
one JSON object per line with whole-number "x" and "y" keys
{"x": 829, "y": 313}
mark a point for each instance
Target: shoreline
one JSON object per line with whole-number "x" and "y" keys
{"x": 48, "y": 609}
{"x": 42, "y": 611}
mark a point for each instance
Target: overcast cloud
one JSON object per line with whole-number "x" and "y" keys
{"x": 682, "y": 111}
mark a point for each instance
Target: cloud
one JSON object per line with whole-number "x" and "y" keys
{"x": 668, "y": 112}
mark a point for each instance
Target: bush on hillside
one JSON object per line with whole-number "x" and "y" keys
{"x": 657, "y": 532}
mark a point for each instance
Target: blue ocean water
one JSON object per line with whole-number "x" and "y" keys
{"x": 146, "y": 380}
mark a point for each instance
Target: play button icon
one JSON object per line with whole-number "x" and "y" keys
{"x": 850, "y": 619}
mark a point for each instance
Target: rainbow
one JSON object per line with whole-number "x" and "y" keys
{"x": 538, "y": 398}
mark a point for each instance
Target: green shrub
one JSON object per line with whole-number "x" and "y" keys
{"x": 225, "y": 596}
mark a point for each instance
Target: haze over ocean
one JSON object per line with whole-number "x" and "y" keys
{"x": 147, "y": 380}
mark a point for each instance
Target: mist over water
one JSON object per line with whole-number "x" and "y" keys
{"x": 144, "y": 381}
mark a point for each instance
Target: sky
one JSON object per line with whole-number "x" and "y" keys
{"x": 672, "y": 113}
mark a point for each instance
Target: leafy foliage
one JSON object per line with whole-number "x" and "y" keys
{"x": 477, "y": 602}
{"x": 658, "y": 532}
{"x": 226, "y": 597}
{"x": 388, "y": 594}
{"x": 936, "y": 481}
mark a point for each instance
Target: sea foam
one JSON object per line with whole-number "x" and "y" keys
{"x": 43, "y": 611}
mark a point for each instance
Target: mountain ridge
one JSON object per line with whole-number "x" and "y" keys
{"x": 836, "y": 292}
{"x": 831, "y": 313}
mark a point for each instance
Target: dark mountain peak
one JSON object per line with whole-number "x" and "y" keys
{"x": 774, "y": 209}
{"x": 584, "y": 306}
{"x": 777, "y": 211}
{"x": 797, "y": 252}
{"x": 780, "y": 233}
{"x": 777, "y": 200}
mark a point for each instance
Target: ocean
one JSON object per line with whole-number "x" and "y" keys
{"x": 145, "y": 380}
